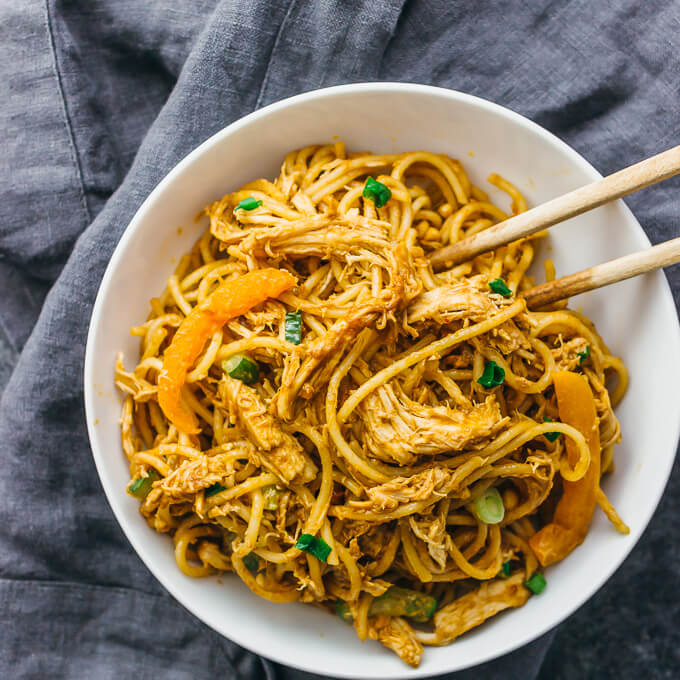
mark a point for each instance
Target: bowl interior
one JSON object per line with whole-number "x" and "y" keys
{"x": 636, "y": 318}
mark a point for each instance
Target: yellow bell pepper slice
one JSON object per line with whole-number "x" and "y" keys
{"x": 233, "y": 298}
{"x": 575, "y": 509}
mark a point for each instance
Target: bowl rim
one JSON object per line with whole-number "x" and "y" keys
{"x": 138, "y": 219}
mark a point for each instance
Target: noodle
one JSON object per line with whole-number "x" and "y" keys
{"x": 353, "y": 459}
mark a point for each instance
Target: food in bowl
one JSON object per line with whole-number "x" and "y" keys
{"x": 317, "y": 410}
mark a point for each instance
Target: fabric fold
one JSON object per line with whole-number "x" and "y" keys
{"x": 101, "y": 98}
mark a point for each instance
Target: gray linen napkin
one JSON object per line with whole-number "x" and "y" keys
{"x": 99, "y": 99}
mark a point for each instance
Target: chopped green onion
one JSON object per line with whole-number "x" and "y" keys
{"x": 505, "y": 569}
{"x": 251, "y": 562}
{"x": 314, "y": 546}
{"x": 536, "y": 584}
{"x": 396, "y": 601}
{"x": 550, "y": 436}
{"x": 248, "y": 204}
{"x": 227, "y": 540}
{"x": 498, "y": 286}
{"x": 489, "y": 508}
{"x": 271, "y": 497}
{"x": 214, "y": 489}
{"x": 343, "y": 611}
{"x": 242, "y": 368}
{"x": 582, "y": 356}
{"x": 493, "y": 375}
{"x": 293, "y": 327}
{"x": 142, "y": 485}
{"x": 377, "y": 192}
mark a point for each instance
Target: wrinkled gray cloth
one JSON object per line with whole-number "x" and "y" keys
{"x": 99, "y": 99}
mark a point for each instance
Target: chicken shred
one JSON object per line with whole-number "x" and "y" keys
{"x": 275, "y": 449}
{"x": 566, "y": 354}
{"x": 472, "y": 609}
{"x": 432, "y": 531}
{"x": 399, "y": 429}
{"x": 397, "y": 635}
{"x": 451, "y": 302}
{"x": 429, "y": 485}
{"x": 200, "y": 473}
{"x": 140, "y": 389}
{"x": 466, "y": 299}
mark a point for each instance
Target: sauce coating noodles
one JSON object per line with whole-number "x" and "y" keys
{"x": 378, "y": 438}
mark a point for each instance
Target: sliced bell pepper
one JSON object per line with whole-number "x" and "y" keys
{"x": 231, "y": 299}
{"x": 575, "y": 509}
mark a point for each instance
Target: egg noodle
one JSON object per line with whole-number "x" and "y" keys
{"x": 406, "y": 448}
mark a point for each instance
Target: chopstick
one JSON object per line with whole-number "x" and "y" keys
{"x": 642, "y": 174}
{"x": 620, "y": 269}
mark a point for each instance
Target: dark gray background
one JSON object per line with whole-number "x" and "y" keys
{"x": 98, "y": 100}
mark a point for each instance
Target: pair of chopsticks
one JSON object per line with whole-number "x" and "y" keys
{"x": 626, "y": 181}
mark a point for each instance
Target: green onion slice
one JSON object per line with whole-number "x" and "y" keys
{"x": 141, "y": 486}
{"x": 314, "y": 546}
{"x": 343, "y": 611}
{"x": 242, "y": 368}
{"x": 582, "y": 356}
{"x": 536, "y": 584}
{"x": 251, "y": 562}
{"x": 227, "y": 541}
{"x": 249, "y": 203}
{"x": 489, "y": 508}
{"x": 271, "y": 497}
{"x": 550, "y": 436}
{"x": 377, "y": 192}
{"x": 505, "y": 569}
{"x": 214, "y": 489}
{"x": 396, "y": 601}
{"x": 493, "y": 375}
{"x": 498, "y": 286}
{"x": 293, "y": 327}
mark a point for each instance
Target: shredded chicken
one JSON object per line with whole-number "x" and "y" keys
{"x": 432, "y": 531}
{"x": 375, "y": 587}
{"x": 460, "y": 300}
{"x": 476, "y": 607}
{"x": 398, "y": 636}
{"x": 466, "y": 299}
{"x": 429, "y": 485}
{"x": 276, "y": 450}
{"x": 566, "y": 355}
{"x": 200, "y": 473}
{"x": 323, "y": 236}
{"x": 508, "y": 338}
{"x": 364, "y": 241}
{"x": 140, "y": 389}
{"x": 398, "y": 429}
{"x": 308, "y": 588}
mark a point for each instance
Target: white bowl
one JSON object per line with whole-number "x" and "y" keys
{"x": 636, "y": 318}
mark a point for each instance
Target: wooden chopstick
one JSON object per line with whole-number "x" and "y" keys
{"x": 620, "y": 269}
{"x": 621, "y": 183}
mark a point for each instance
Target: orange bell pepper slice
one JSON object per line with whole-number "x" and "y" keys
{"x": 231, "y": 299}
{"x": 575, "y": 509}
